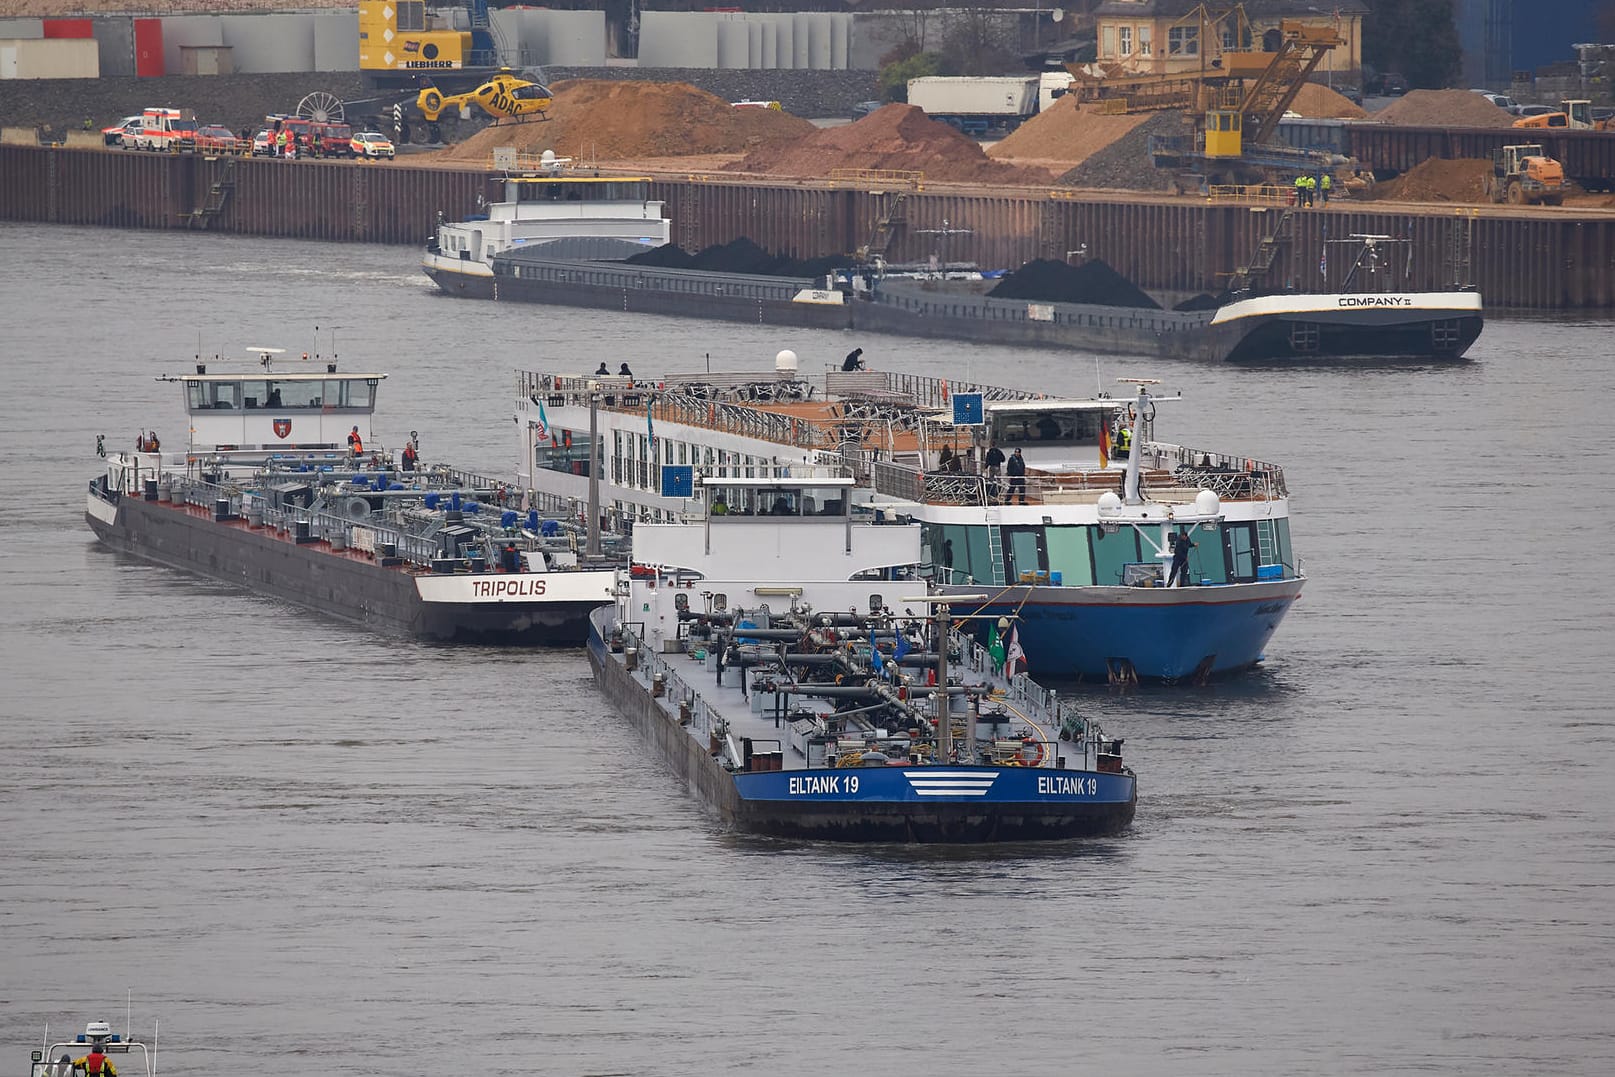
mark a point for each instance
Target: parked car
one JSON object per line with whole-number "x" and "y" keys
{"x": 864, "y": 108}
{"x": 372, "y": 144}
{"x": 1534, "y": 110}
{"x": 1350, "y": 93}
{"x": 1502, "y": 101}
{"x": 215, "y": 139}
{"x": 1387, "y": 84}
{"x": 263, "y": 144}
{"x": 113, "y": 135}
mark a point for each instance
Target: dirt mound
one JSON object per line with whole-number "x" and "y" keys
{"x": 1066, "y": 132}
{"x": 1056, "y": 282}
{"x": 1437, "y": 180}
{"x": 595, "y": 119}
{"x": 1318, "y": 102}
{"x": 1444, "y": 108}
{"x": 1126, "y": 164}
{"x": 897, "y": 137}
{"x": 737, "y": 256}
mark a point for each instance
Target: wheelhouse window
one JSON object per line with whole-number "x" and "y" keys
{"x": 1052, "y": 426}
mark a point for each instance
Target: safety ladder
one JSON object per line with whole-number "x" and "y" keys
{"x": 1266, "y": 550}
{"x": 886, "y": 225}
{"x": 218, "y": 194}
{"x": 1266, "y": 253}
{"x": 995, "y": 546}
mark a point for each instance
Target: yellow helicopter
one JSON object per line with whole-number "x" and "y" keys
{"x": 505, "y": 96}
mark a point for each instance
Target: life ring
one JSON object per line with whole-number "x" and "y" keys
{"x": 1025, "y": 757}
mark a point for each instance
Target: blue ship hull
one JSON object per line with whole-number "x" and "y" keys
{"x": 935, "y": 803}
{"x": 1165, "y": 634}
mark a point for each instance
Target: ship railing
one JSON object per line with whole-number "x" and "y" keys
{"x": 1233, "y": 478}
{"x": 679, "y": 694}
{"x": 918, "y": 389}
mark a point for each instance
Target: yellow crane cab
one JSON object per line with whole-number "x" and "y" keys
{"x": 1224, "y": 132}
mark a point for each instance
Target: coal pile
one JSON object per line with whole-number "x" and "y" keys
{"x": 737, "y": 256}
{"x": 1055, "y": 282}
{"x": 1203, "y": 301}
{"x": 1126, "y": 163}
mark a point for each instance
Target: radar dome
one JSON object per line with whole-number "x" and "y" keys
{"x": 1206, "y": 503}
{"x": 1109, "y": 502}
{"x": 785, "y": 362}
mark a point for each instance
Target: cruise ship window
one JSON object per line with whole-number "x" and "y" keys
{"x": 1070, "y": 555}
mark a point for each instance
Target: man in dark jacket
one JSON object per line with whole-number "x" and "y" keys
{"x": 1017, "y": 477}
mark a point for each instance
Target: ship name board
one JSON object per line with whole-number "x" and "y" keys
{"x": 507, "y": 588}
{"x": 1061, "y": 785}
{"x": 820, "y": 783}
{"x": 1375, "y": 301}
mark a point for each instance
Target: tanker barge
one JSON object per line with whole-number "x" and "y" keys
{"x": 270, "y": 495}
{"x": 790, "y": 669}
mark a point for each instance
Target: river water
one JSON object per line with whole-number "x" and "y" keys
{"x": 299, "y": 845}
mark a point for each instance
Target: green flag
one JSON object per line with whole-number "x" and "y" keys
{"x": 995, "y": 647}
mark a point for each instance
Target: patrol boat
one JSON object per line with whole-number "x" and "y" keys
{"x": 1080, "y": 549}
{"x": 58, "y": 1059}
{"x": 779, "y": 650}
{"x": 266, "y": 494}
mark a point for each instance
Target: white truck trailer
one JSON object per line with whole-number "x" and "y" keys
{"x": 987, "y": 104}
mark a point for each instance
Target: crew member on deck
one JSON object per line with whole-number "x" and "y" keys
{"x": 1016, "y": 467}
{"x": 1124, "y": 442}
{"x": 854, "y": 360}
{"x": 410, "y": 456}
{"x": 604, "y": 371}
{"x": 1179, "y": 575}
{"x": 96, "y": 1063}
{"x": 356, "y": 443}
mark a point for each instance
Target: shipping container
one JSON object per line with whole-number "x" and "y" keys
{"x": 50, "y": 58}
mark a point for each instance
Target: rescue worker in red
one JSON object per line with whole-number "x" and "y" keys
{"x": 356, "y": 443}
{"x": 95, "y": 1064}
{"x": 410, "y": 456}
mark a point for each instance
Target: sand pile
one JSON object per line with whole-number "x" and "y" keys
{"x": 1444, "y": 108}
{"x": 1437, "y": 180}
{"x": 897, "y": 137}
{"x": 1066, "y": 132}
{"x": 1318, "y": 102}
{"x": 1126, "y": 164}
{"x": 1056, "y": 282}
{"x": 595, "y": 119}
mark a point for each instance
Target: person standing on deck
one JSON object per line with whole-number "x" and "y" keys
{"x": 1179, "y": 575}
{"x": 1017, "y": 477}
{"x": 355, "y": 443}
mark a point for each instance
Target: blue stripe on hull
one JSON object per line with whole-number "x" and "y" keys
{"x": 1163, "y": 642}
{"x": 938, "y": 784}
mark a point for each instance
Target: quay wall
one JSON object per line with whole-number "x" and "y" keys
{"x": 1534, "y": 258}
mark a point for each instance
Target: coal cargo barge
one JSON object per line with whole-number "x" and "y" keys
{"x": 268, "y": 496}
{"x": 572, "y": 240}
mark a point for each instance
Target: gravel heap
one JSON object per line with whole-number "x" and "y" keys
{"x": 1056, "y": 282}
{"x": 1066, "y": 132}
{"x": 737, "y": 256}
{"x": 897, "y": 137}
{"x": 1444, "y": 108}
{"x": 594, "y": 119}
{"x": 1437, "y": 180}
{"x": 1126, "y": 163}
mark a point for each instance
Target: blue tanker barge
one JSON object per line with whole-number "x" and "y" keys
{"x": 785, "y": 664}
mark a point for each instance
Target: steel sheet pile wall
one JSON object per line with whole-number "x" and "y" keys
{"x": 1553, "y": 260}
{"x": 1586, "y": 155}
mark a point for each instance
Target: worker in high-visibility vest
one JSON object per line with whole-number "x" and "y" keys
{"x": 1300, "y": 190}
